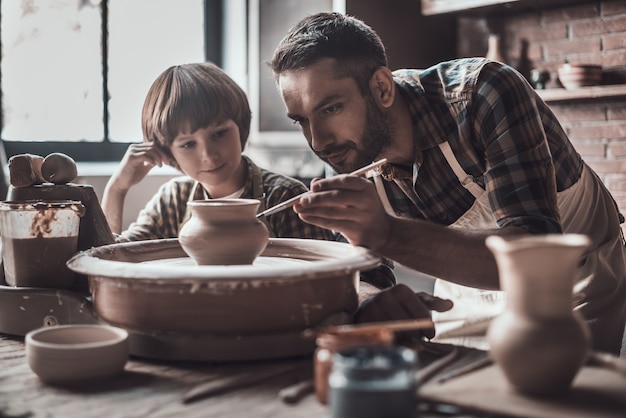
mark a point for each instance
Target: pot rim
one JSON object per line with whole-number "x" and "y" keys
{"x": 322, "y": 257}
{"x": 114, "y": 335}
{"x": 224, "y": 202}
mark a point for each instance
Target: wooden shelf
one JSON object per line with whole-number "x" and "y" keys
{"x": 584, "y": 93}
{"x": 435, "y": 7}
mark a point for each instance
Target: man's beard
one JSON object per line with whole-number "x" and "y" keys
{"x": 376, "y": 137}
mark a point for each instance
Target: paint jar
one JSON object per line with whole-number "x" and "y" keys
{"x": 329, "y": 343}
{"x": 373, "y": 382}
{"x": 38, "y": 237}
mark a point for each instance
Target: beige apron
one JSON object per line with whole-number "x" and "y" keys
{"x": 599, "y": 291}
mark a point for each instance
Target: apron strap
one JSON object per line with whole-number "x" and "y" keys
{"x": 466, "y": 180}
{"x": 382, "y": 195}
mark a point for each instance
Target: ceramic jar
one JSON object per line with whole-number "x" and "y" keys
{"x": 223, "y": 232}
{"x": 38, "y": 237}
{"x": 373, "y": 382}
{"x": 539, "y": 342}
{"x": 329, "y": 343}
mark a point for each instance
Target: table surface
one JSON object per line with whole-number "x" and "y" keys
{"x": 155, "y": 388}
{"x": 150, "y": 388}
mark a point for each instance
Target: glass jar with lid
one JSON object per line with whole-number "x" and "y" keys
{"x": 329, "y": 343}
{"x": 373, "y": 382}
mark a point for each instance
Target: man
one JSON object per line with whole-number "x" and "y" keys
{"x": 473, "y": 152}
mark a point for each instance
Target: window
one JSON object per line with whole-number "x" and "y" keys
{"x": 274, "y": 140}
{"x": 74, "y": 73}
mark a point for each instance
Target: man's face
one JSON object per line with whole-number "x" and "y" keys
{"x": 344, "y": 128}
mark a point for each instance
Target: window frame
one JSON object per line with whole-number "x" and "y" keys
{"x": 107, "y": 150}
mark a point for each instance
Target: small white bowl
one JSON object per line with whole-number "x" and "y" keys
{"x": 68, "y": 354}
{"x": 575, "y": 76}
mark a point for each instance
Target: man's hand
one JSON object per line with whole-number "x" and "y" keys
{"x": 400, "y": 302}
{"x": 349, "y": 205}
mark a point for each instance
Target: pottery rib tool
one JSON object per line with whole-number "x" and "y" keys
{"x": 468, "y": 368}
{"x": 290, "y": 202}
{"x": 294, "y": 393}
{"x": 426, "y": 373}
{"x": 234, "y": 382}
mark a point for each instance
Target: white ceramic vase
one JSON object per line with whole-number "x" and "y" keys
{"x": 494, "y": 48}
{"x": 223, "y": 232}
{"x": 539, "y": 342}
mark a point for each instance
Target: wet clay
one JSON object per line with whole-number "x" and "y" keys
{"x": 153, "y": 286}
{"x": 39, "y": 261}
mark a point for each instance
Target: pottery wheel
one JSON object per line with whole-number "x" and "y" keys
{"x": 176, "y": 310}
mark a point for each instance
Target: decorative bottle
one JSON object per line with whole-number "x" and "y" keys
{"x": 494, "y": 48}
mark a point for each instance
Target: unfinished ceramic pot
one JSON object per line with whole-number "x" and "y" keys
{"x": 539, "y": 342}
{"x": 223, "y": 232}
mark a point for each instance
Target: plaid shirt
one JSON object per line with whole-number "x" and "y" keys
{"x": 164, "y": 214}
{"x": 501, "y": 133}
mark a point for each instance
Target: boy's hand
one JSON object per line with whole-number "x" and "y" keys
{"x": 137, "y": 162}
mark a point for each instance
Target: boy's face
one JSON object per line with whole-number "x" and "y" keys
{"x": 212, "y": 156}
{"x": 344, "y": 128}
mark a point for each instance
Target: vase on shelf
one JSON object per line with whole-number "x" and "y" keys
{"x": 494, "y": 48}
{"x": 539, "y": 341}
{"x": 223, "y": 232}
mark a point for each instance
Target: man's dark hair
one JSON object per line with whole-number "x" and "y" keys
{"x": 356, "y": 48}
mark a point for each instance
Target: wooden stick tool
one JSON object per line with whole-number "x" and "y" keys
{"x": 290, "y": 202}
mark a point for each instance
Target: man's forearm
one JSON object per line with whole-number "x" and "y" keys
{"x": 452, "y": 254}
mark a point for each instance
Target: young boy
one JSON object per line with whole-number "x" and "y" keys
{"x": 197, "y": 119}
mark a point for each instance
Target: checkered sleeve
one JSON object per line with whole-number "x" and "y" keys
{"x": 520, "y": 174}
{"x": 162, "y": 215}
{"x": 286, "y": 223}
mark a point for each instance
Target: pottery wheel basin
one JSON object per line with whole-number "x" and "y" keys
{"x": 154, "y": 286}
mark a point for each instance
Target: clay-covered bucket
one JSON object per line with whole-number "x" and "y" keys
{"x": 38, "y": 237}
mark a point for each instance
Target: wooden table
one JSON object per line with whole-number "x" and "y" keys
{"x": 151, "y": 389}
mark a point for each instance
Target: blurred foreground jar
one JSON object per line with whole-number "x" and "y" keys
{"x": 329, "y": 343}
{"x": 539, "y": 342}
{"x": 373, "y": 382}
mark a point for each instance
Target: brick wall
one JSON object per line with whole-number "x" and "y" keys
{"x": 591, "y": 33}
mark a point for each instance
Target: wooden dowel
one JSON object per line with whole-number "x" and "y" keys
{"x": 290, "y": 202}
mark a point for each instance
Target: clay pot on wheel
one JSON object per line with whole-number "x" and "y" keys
{"x": 223, "y": 232}
{"x": 539, "y": 342}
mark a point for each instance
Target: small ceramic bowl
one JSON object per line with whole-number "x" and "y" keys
{"x": 575, "y": 76}
{"x": 69, "y": 354}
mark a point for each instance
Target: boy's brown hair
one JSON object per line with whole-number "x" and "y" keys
{"x": 188, "y": 97}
